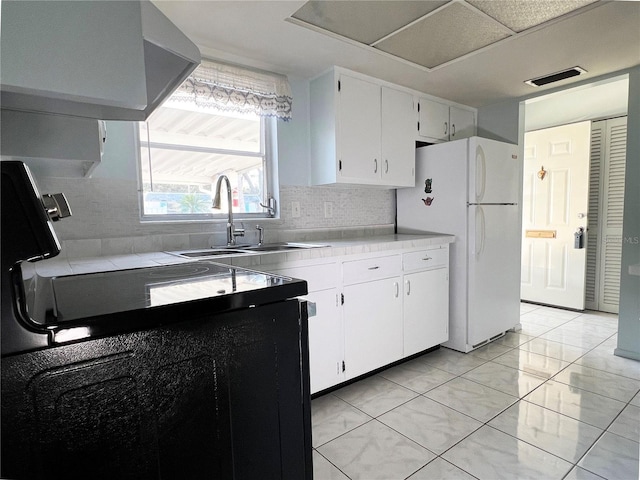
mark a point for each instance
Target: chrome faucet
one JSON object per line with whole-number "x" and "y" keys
{"x": 232, "y": 232}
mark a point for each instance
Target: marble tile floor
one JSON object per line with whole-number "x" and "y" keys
{"x": 549, "y": 402}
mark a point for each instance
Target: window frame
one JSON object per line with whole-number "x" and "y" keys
{"x": 268, "y": 132}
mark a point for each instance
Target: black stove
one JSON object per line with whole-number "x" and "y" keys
{"x": 40, "y": 312}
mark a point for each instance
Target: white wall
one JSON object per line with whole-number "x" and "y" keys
{"x": 500, "y": 121}
{"x": 629, "y": 315}
{"x": 597, "y": 100}
{"x": 293, "y": 138}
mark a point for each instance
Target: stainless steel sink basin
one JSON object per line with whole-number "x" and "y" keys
{"x": 213, "y": 252}
{"x": 246, "y": 249}
{"x": 278, "y": 247}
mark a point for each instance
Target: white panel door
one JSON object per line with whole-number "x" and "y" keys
{"x": 555, "y": 203}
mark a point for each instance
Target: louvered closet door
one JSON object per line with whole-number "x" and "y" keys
{"x": 606, "y": 205}
{"x": 592, "y": 274}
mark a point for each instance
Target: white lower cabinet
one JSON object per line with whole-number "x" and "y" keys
{"x": 326, "y": 333}
{"x": 426, "y": 299}
{"x": 373, "y": 311}
{"x": 373, "y": 325}
{"x": 326, "y": 344}
{"x": 426, "y": 310}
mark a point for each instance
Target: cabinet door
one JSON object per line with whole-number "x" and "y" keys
{"x": 373, "y": 325}
{"x": 462, "y": 123}
{"x": 358, "y": 131}
{"x": 426, "y": 310}
{"x": 326, "y": 341}
{"x": 397, "y": 138}
{"x": 326, "y": 335}
{"x": 434, "y": 120}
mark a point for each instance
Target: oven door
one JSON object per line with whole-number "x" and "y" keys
{"x": 219, "y": 396}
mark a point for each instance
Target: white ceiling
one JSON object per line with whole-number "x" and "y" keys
{"x": 601, "y": 37}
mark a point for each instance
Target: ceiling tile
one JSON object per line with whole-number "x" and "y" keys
{"x": 364, "y": 21}
{"x": 449, "y": 33}
{"x": 519, "y": 15}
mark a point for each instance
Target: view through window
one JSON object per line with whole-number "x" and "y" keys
{"x": 185, "y": 148}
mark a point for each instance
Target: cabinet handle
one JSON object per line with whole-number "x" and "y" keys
{"x": 408, "y": 287}
{"x": 386, "y": 164}
{"x": 373, "y": 268}
{"x": 375, "y": 168}
{"x": 427, "y": 258}
{"x": 395, "y": 284}
{"x": 453, "y": 129}
{"x": 446, "y": 127}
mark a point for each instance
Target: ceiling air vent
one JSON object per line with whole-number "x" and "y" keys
{"x": 555, "y": 77}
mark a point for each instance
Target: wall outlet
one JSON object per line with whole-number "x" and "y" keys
{"x": 328, "y": 209}
{"x": 295, "y": 209}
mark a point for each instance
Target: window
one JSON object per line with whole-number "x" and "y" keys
{"x": 219, "y": 122}
{"x": 184, "y": 150}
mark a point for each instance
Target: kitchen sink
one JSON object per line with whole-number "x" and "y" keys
{"x": 278, "y": 247}
{"x": 212, "y": 252}
{"x": 246, "y": 249}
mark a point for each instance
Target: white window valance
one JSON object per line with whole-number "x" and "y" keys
{"x": 237, "y": 89}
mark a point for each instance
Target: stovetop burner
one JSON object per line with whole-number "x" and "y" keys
{"x": 178, "y": 271}
{"x": 87, "y": 295}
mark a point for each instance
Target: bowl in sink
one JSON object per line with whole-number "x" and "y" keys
{"x": 210, "y": 252}
{"x": 245, "y": 249}
{"x": 279, "y": 247}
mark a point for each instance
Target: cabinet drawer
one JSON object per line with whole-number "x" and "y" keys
{"x": 358, "y": 271}
{"x": 424, "y": 259}
{"x": 318, "y": 277}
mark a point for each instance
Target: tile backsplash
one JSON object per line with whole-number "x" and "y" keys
{"x": 106, "y": 218}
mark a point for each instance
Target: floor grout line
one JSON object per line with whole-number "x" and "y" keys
{"x": 518, "y": 399}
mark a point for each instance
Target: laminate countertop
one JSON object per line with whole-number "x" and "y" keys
{"x": 255, "y": 260}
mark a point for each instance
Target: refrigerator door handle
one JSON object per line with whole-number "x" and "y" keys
{"x": 481, "y": 173}
{"x": 480, "y": 230}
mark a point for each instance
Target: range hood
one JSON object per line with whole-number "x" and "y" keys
{"x": 107, "y": 60}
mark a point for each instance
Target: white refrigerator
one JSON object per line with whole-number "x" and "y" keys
{"x": 471, "y": 188}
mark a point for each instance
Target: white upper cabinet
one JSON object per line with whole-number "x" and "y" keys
{"x": 397, "y": 138}
{"x": 441, "y": 122}
{"x": 100, "y": 59}
{"x": 358, "y": 130}
{"x": 433, "y": 120}
{"x": 462, "y": 122}
{"x": 361, "y": 132}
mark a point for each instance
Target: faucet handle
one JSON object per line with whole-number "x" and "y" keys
{"x": 260, "y": 234}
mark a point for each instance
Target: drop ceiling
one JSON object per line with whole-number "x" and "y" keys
{"x": 475, "y": 52}
{"x": 430, "y": 33}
